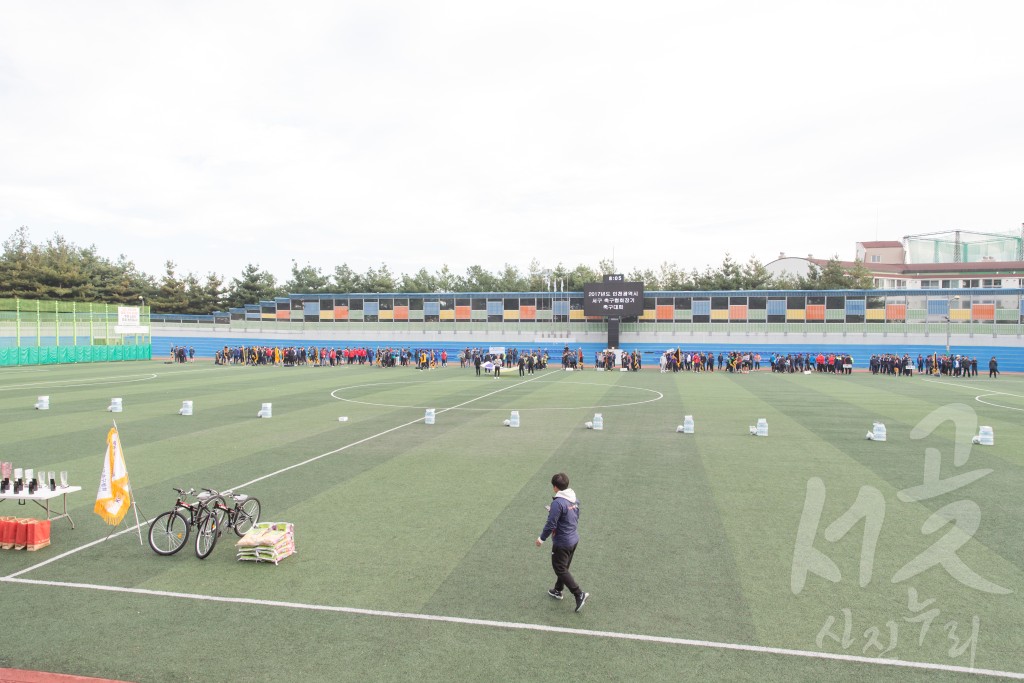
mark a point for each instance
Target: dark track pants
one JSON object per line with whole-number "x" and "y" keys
{"x": 561, "y": 558}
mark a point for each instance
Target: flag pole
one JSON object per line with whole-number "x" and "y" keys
{"x": 135, "y": 505}
{"x": 138, "y": 524}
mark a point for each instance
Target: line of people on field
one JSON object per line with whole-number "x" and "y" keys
{"x": 630, "y": 360}
{"x": 952, "y": 365}
{"x": 934, "y": 364}
{"x": 527, "y": 361}
{"x": 676, "y": 360}
{"x": 894, "y": 364}
{"x": 421, "y": 359}
{"x": 291, "y": 356}
{"x": 181, "y": 354}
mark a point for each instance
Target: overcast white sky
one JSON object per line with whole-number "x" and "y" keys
{"x": 419, "y": 134}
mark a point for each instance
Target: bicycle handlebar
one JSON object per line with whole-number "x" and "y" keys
{"x": 212, "y": 492}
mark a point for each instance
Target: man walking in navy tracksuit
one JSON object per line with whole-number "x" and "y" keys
{"x": 563, "y": 516}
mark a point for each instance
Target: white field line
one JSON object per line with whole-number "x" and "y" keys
{"x": 85, "y": 382}
{"x": 519, "y": 626}
{"x": 995, "y": 405}
{"x": 658, "y": 397}
{"x": 971, "y": 387}
{"x": 267, "y": 476}
{"x": 97, "y": 381}
{"x": 11, "y": 577}
{"x": 979, "y": 397}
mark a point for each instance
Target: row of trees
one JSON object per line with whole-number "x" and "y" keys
{"x": 60, "y": 270}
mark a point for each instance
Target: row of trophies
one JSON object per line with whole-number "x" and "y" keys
{"x": 14, "y": 480}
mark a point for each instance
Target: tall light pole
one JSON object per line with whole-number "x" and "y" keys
{"x": 949, "y": 323}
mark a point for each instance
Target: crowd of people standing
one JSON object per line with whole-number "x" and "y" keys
{"x": 290, "y": 356}
{"x": 673, "y": 360}
{"x": 183, "y": 354}
{"x": 677, "y": 360}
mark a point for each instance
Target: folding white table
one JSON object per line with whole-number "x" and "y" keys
{"x": 42, "y": 498}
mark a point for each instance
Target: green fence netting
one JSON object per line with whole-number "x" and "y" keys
{"x": 51, "y": 355}
{"x": 50, "y": 332}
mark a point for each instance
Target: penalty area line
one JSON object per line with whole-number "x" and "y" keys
{"x": 544, "y": 628}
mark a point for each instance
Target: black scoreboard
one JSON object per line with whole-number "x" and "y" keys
{"x": 613, "y": 298}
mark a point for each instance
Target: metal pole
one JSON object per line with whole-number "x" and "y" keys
{"x": 949, "y": 321}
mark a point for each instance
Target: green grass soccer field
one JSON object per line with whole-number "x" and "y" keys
{"x": 811, "y": 554}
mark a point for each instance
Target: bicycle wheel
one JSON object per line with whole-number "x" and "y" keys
{"x": 168, "y": 533}
{"x": 206, "y": 536}
{"x": 247, "y": 515}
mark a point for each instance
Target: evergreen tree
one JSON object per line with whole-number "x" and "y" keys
{"x": 19, "y": 270}
{"x": 729, "y": 276}
{"x": 60, "y": 273}
{"x": 346, "y": 280}
{"x": 754, "y": 275}
{"x": 833, "y": 275}
{"x": 509, "y": 280}
{"x": 704, "y": 281}
{"x": 581, "y": 275}
{"x": 645, "y": 276}
{"x": 447, "y": 281}
{"x": 203, "y": 298}
{"x": 535, "y": 277}
{"x": 378, "y": 280}
{"x": 860, "y": 277}
{"x": 559, "y": 274}
{"x": 171, "y": 294}
{"x": 479, "y": 280}
{"x": 195, "y": 297}
{"x": 788, "y": 281}
{"x": 215, "y": 293}
{"x": 307, "y": 280}
{"x": 253, "y": 286}
{"x": 422, "y": 281}
{"x": 672, "y": 279}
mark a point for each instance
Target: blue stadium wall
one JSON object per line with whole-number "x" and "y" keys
{"x": 1011, "y": 358}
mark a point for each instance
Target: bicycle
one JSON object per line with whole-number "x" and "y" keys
{"x": 242, "y": 516}
{"x": 170, "y": 530}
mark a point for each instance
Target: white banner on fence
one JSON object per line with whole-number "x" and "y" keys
{"x": 129, "y": 319}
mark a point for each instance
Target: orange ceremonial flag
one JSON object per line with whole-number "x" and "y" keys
{"x": 115, "y": 493}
